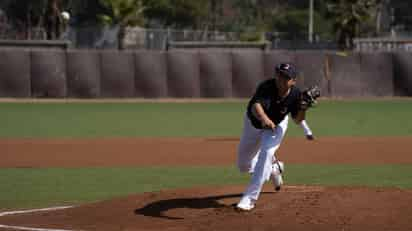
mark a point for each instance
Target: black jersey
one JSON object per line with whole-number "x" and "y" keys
{"x": 275, "y": 107}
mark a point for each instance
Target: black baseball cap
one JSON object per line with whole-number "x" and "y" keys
{"x": 287, "y": 70}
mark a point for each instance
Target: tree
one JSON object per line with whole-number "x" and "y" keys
{"x": 52, "y": 19}
{"x": 177, "y": 13}
{"x": 85, "y": 13}
{"x": 293, "y": 24}
{"x": 123, "y": 13}
{"x": 348, "y": 16}
{"x": 248, "y": 10}
{"x": 401, "y": 14}
{"x": 215, "y": 7}
{"x": 23, "y": 14}
{"x": 251, "y": 18}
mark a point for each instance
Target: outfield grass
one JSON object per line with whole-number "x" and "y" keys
{"x": 27, "y": 188}
{"x": 47, "y": 187}
{"x": 120, "y": 120}
{"x": 330, "y": 118}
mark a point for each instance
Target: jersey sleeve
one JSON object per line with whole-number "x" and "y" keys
{"x": 260, "y": 95}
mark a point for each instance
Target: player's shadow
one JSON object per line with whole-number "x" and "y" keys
{"x": 158, "y": 208}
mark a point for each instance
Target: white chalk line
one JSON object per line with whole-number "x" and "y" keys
{"x": 2, "y": 214}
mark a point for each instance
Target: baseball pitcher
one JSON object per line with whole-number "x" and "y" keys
{"x": 265, "y": 124}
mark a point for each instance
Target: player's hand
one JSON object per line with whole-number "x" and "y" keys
{"x": 268, "y": 124}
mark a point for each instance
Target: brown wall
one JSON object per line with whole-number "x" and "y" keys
{"x": 15, "y": 73}
{"x": 247, "y": 72}
{"x": 117, "y": 74}
{"x": 235, "y": 73}
{"x": 83, "y": 74}
{"x": 215, "y": 74}
{"x": 402, "y": 74}
{"x": 151, "y": 74}
{"x": 183, "y": 74}
{"x": 48, "y": 74}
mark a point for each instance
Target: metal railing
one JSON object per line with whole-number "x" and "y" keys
{"x": 161, "y": 38}
{"x": 383, "y": 44}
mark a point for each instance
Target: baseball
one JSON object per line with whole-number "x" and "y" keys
{"x": 65, "y": 15}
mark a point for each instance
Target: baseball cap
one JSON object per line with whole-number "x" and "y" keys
{"x": 286, "y": 69}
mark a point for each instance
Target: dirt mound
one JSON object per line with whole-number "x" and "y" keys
{"x": 293, "y": 208}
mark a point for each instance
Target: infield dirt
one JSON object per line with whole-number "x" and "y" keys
{"x": 293, "y": 208}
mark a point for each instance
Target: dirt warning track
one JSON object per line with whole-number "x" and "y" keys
{"x": 195, "y": 151}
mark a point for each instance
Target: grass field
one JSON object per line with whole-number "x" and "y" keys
{"x": 29, "y": 188}
{"x": 330, "y": 118}
{"x": 26, "y": 188}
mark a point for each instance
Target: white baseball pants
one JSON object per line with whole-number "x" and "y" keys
{"x": 256, "y": 153}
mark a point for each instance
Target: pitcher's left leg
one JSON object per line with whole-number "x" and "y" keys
{"x": 278, "y": 166}
{"x": 270, "y": 143}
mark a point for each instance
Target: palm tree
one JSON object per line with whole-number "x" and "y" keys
{"x": 123, "y": 13}
{"x": 348, "y": 15}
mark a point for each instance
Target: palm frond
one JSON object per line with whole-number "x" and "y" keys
{"x": 124, "y": 12}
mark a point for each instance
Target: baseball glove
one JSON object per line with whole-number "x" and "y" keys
{"x": 308, "y": 98}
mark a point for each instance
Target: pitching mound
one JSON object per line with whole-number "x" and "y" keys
{"x": 293, "y": 208}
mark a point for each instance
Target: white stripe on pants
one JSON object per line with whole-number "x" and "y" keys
{"x": 256, "y": 153}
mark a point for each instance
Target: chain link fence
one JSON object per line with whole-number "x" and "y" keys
{"x": 106, "y": 37}
{"x": 9, "y": 33}
{"x": 159, "y": 38}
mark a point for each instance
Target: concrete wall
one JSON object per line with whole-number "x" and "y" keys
{"x": 345, "y": 75}
{"x": 117, "y": 74}
{"x": 215, "y": 74}
{"x": 15, "y": 73}
{"x": 83, "y": 74}
{"x": 151, "y": 74}
{"x": 312, "y": 71}
{"x": 48, "y": 74}
{"x": 402, "y": 73}
{"x": 183, "y": 74}
{"x": 247, "y": 72}
{"x": 235, "y": 73}
{"x": 376, "y": 74}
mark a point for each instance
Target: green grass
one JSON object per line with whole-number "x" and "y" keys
{"x": 330, "y": 118}
{"x": 119, "y": 120}
{"x": 27, "y": 188}
{"x": 46, "y": 187}
{"x": 396, "y": 176}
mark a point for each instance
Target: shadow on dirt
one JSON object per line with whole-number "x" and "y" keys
{"x": 158, "y": 208}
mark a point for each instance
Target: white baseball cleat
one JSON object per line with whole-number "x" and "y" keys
{"x": 245, "y": 204}
{"x": 276, "y": 176}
